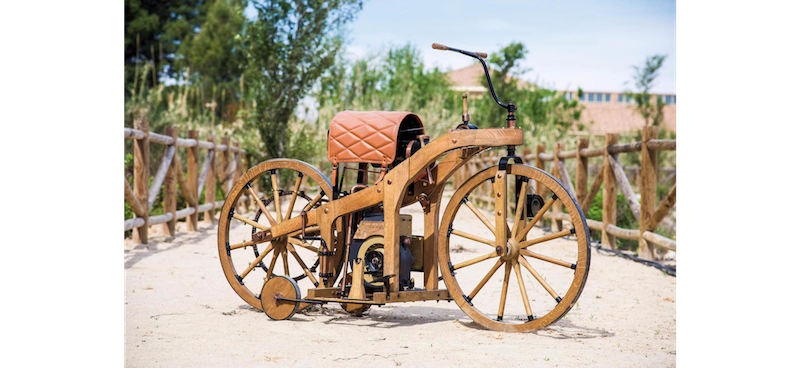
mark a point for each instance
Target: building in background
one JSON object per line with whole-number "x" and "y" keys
{"x": 604, "y": 112}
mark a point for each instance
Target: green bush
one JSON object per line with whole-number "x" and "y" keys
{"x": 625, "y": 219}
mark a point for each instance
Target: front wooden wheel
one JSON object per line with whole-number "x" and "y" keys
{"x": 504, "y": 274}
{"x": 249, "y": 265}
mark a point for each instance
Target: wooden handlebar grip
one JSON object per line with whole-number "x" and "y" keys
{"x": 439, "y": 46}
{"x": 464, "y": 97}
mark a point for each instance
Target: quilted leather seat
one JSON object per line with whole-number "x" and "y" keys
{"x": 369, "y": 136}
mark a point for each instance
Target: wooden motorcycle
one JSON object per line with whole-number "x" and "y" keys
{"x": 356, "y": 235}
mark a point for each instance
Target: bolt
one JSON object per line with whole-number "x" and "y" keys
{"x": 498, "y": 195}
{"x": 455, "y": 140}
{"x": 389, "y": 182}
{"x": 379, "y": 190}
{"x": 326, "y": 210}
{"x": 498, "y": 249}
{"x": 499, "y": 176}
{"x": 499, "y": 213}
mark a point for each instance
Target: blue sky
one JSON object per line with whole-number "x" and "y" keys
{"x": 587, "y": 44}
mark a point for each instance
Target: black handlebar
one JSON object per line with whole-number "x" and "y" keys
{"x": 479, "y": 55}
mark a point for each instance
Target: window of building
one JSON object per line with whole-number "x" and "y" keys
{"x": 668, "y": 99}
{"x": 628, "y": 99}
{"x": 583, "y": 97}
{"x": 659, "y": 98}
{"x": 591, "y": 97}
{"x": 608, "y": 97}
{"x": 619, "y": 97}
{"x": 674, "y": 100}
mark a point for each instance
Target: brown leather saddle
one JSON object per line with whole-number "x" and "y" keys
{"x": 371, "y": 136}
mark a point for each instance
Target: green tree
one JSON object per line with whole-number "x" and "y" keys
{"x": 211, "y": 53}
{"x": 396, "y": 81}
{"x": 644, "y": 78}
{"x": 160, "y": 26}
{"x": 507, "y": 63}
{"x": 287, "y": 48}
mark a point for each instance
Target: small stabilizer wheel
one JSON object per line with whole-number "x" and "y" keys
{"x": 280, "y": 286}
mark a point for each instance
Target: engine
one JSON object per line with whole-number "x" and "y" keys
{"x": 366, "y": 252}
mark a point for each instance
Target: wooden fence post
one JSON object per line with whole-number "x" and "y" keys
{"x": 223, "y": 164}
{"x": 581, "y": 172}
{"x": 540, "y": 188}
{"x": 648, "y": 190}
{"x": 211, "y": 182}
{"x": 609, "y": 195}
{"x": 192, "y": 155}
{"x": 170, "y": 184}
{"x": 237, "y": 174}
{"x": 558, "y": 225}
{"x": 526, "y": 151}
{"x": 141, "y": 176}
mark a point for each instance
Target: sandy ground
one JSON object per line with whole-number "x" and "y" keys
{"x": 180, "y": 311}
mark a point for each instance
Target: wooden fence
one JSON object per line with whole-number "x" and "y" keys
{"x": 217, "y": 166}
{"x": 611, "y": 176}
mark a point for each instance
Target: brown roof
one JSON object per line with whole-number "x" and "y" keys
{"x": 620, "y": 118}
{"x": 472, "y": 76}
{"x": 466, "y": 77}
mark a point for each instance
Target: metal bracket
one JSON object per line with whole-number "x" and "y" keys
{"x": 425, "y": 202}
{"x": 504, "y": 161}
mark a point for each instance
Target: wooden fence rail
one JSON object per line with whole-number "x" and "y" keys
{"x": 217, "y": 167}
{"x": 611, "y": 176}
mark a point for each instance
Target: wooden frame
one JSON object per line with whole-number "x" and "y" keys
{"x": 393, "y": 192}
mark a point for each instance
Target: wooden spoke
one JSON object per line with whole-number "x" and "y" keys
{"x": 313, "y": 201}
{"x": 285, "y": 256}
{"x": 539, "y": 278}
{"x": 536, "y": 218}
{"x": 294, "y": 197}
{"x": 480, "y": 216}
{"x": 308, "y": 273}
{"x": 303, "y": 244}
{"x": 249, "y": 222}
{"x": 271, "y": 265}
{"x": 545, "y": 238}
{"x": 255, "y": 263}
{"x": 276, "y": 194}
{"x": 261, "y": 205}
{"x": 242, "y": 245}
{"x": 522, "y": 290}
{"x": 504, "y": 292}
{"x": 475, "y": 260}
{"x": 473, "y": 237}
{"x": 545, "y": 258}
{"x": 519, "y": 215}
{"x": 486, "y": 279}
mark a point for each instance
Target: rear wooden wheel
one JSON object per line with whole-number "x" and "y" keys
{"x": 248, "y": 265}
{"x": 478, "y": 263}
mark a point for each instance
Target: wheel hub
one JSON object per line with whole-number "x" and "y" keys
{"x": 512, "y": 250}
